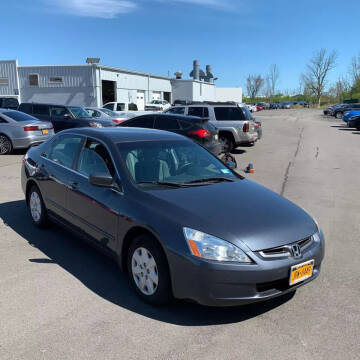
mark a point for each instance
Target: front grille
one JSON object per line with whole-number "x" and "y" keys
{"x": 285, "y": 251}
{"x": 280, "y": 285}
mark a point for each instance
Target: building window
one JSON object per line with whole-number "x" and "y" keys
{"x": 34, "y": 79}
{"x": 56, "y": 79}
{"x": 4, "y": 81}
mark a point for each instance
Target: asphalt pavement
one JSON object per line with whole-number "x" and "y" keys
{"x": 60, "y": 299}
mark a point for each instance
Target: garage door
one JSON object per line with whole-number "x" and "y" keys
{"x": 156, "y": 95}
{"x": 141, "y": 100}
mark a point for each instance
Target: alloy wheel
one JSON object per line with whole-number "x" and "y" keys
{"x": 5, "y": 145}
{"x": 144, "y": 271}
{"x": 35, "y": 206}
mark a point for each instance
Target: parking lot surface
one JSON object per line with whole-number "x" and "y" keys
{"x": 61, "y": 299}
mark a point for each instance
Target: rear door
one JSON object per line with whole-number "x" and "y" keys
{"x": 41, "y": 112}
{"x": 58, "y": 168}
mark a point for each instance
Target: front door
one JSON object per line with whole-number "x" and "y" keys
{"x": 93, "y": 208}
{"x": 58, "y": 119}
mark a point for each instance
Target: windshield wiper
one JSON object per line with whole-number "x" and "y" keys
{"x": 161, "y": 183}
{"x": 213, "y": 179}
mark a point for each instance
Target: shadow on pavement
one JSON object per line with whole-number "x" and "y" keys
{"x": 356, "y": 132}
{"x": 102, "y": 276}
{"x": 346, "y": 129}
{"x": 238, "y": 151}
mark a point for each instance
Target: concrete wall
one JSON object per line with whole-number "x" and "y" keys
{"x": 193, "y": 90}
{"x": 128, "y": 84}
{"x": 229, "y": 94}
{"x": 8, "y": 70}
{"x": 76, "y": 88}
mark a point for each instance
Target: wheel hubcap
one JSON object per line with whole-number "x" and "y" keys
{"x": 144, "y": 271}
{"x": 35, "y": 206}
{"x": 4, "y": 145}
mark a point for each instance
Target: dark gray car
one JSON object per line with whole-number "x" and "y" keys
{"x": 179, "y": 221}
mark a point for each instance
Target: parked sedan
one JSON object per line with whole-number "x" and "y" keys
{"x": 354, "y": 122}
{"x": 20, "y": 131}
{"x": 105, "y": 114}
{"x": 349, "y": 114}
{"x": 179, "y": 221}
{"x": 195, "y": 128}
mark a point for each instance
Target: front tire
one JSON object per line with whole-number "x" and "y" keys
{"x": 5, "y": 145}
{"x": 37, "y": 208}
{"x": 339, "y": 115}
{"x": 148, "y": 271}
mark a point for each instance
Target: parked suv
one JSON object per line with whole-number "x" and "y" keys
{"x": 9, "y": 103}
{"x": 234, "y": 121}
{"x": 63, "y": 117}
{"x": 198, "y": 129}
{"x": 339, "y": 112}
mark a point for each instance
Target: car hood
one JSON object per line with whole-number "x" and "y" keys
{"x": 241, "y": 212}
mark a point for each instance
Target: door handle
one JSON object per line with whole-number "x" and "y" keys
{"x": 74, "y": 185}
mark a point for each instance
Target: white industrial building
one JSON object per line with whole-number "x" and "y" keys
{"x": 96, "y": 84}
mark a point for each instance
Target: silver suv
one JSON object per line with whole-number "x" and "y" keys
{"x": 234, "y": 121}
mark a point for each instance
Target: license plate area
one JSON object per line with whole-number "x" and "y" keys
{"x": 301, "y": 272}
{"x": 45, "y": 131}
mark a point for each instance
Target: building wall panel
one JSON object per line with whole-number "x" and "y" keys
{"x": 8, "y": 69}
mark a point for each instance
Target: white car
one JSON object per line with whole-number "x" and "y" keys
{"x": 251, "y": 107}
{"x": 157, "y": 105}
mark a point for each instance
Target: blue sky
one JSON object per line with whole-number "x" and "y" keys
{"x": 236, "y": 37}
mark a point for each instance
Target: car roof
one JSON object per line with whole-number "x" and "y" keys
{"x": 126, "y": 134}
{"x": 8, "y": 110}
{"x": 175, "y": 116}
{"x": 47, "y": 104}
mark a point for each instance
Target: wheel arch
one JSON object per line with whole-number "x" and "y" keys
{"x": 132, "y": 234}
{"x": 30, "y": 183}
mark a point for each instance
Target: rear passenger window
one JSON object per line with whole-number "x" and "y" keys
{"x": 58, "y": 111}
{"x": 177, "y": 110}
{"x": 65, "y": 150}
{"x": 40, "y": 110}
{"x": 133, "y": 107}
{"x": 141, "y": 122}
{"x": 198, "y": 111}
{"x": 228, "y": 113}
{"x": 166, "y": 123}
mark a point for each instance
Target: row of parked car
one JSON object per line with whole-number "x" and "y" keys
{"x": 350, "y": 113}
{"x": 220, "y": 127}
{"x": 276, "y": 105}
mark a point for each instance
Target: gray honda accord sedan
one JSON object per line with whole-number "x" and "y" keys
{"x": 176, "y": 219}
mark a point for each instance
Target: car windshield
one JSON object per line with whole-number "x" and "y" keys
{"x": 108, "y": 112}
{"x": 78, "y": 111}
{"x": 19, "y": 116}
{"x": 154, "y": 163}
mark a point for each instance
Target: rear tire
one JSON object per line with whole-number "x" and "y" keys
{"x": 228, "y": 142}
{"x": 5, "y": 145}
{"x": 37, "y": 208}
{"x": 148, "y": 271}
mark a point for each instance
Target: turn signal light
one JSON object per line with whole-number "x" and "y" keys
{"x": 117, "y": 121}
{"x": 200, "y": 133}
{"x": 31, "y": 128}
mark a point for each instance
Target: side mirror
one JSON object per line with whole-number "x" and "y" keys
{"x": 231, "y": 164}
{"x": 102, "y": 180}
{"x": 67, "y": 116}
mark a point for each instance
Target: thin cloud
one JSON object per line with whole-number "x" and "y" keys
{"x": 225, "y": 4}
{"x": 105, "y": 9}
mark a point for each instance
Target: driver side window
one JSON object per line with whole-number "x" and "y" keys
{"x": 95, "y": 159}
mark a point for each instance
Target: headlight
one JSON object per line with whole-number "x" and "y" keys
{"x": 346, "y": 113}
{"x": 95, "y": 124}
{"x": 212, "y": 248}
{"x": 316, "y": 236}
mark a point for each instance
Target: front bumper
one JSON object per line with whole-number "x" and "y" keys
{"x": 223, "y": 284}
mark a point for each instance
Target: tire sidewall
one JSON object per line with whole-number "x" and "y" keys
{"x": 11, "y": 146}
{"x": 228, "y": 143}
{"x": 43, "y": 217}
{"x": 163, "y": 293}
